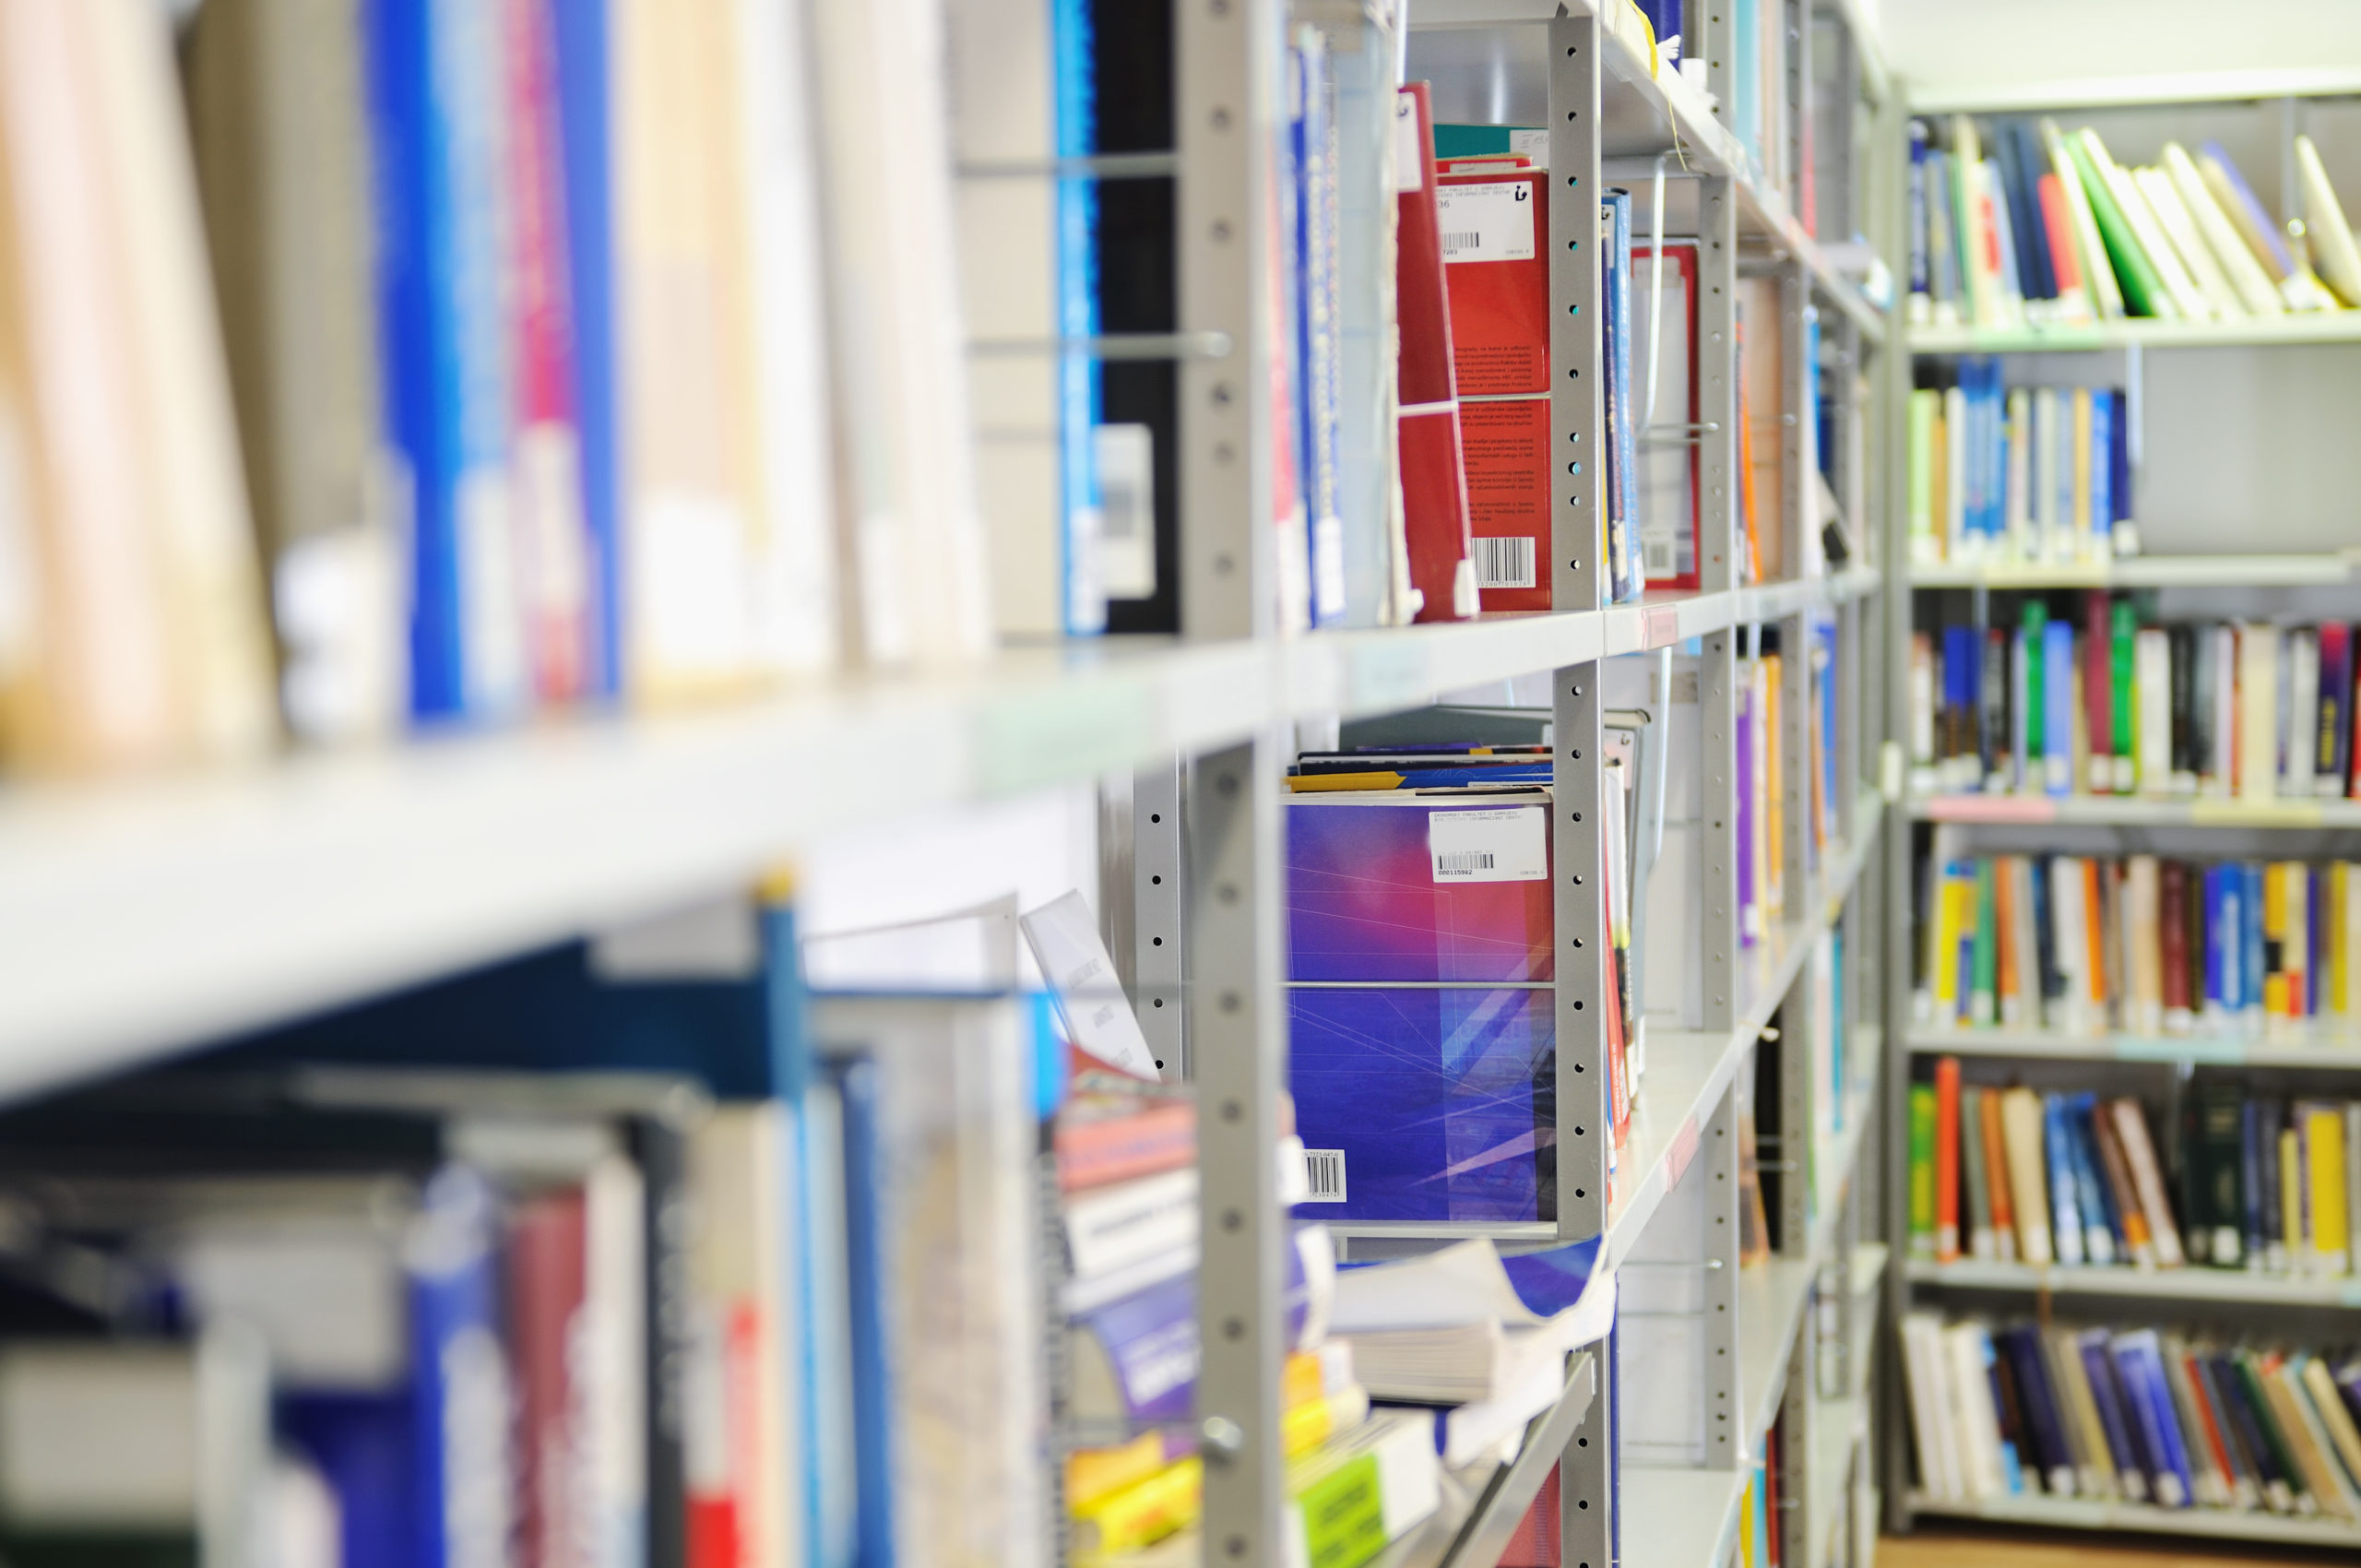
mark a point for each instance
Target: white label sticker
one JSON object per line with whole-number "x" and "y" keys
{"x": 1510, "y": 844}
{"x": 1531, "y": 144}
{"x": 1323, "y": 1176}
{"x": 1492, "y": 222}
{"x": 1410, "y": 157}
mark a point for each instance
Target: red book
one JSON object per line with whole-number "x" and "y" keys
{"x": 2172, "y": 913}
{"x": 1996, "y": 1166}
{"x": 1103, "y": 1141}
{"x": 1495, "y": 250}
{"x": 553, "y": 562}
{"x": 2057, "y": 220}
{"x": 1434, "y": 487}
{"x": 2098, "y": 686}
{"x": 548, "y": 1251}
{"x": 1947, "y": 1159}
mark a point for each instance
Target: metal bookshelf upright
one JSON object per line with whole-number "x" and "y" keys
{"x": 2110, "y": 823}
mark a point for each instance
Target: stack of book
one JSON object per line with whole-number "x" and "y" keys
{"x": 2085, "y": 695}
{"x": 2014, "y": 223}
{"x": 2017, "y": 473}
{"x": 2008, "y": 1411}
{"x": 2013, "y": 1175}
{"x": 2262, "y": 1182}
{"x": 2084, "y": 944}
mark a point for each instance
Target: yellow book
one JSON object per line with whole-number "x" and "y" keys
{"x": 1745, "y": 1527}
{"x": 2325, "y": 1155}
{"x": 1146, "y": 1508}
{"x": 2291, "y": 1199}
{"x": 1943, "y": 962}
{"x": 1306, "y": 1384}
{"x": 2274, "y": 940}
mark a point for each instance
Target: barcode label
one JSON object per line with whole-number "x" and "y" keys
{"x": 1489, "y": 221}
{"x": 1490, "y": 844}
{"x": 1323, "y": 1175}
{"x": 1504, "y": 563}
{"x": 1657, "y": 556}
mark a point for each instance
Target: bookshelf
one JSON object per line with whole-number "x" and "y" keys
{"x": 2289, "y": 572}
{"x": 147, "y": 917}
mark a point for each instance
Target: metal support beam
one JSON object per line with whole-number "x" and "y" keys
{"x": 1582, "y": 1085}
{"x": 1722, "y": 541}
{"x": 1717, "y": 1158}
{"x": 1159, "y": 914}
{"x": 1586, "y": 1478}
{"x": 1238, "y": 1046}
{"x": 1578, "y": 573}
{"x": 1224, "y": 75}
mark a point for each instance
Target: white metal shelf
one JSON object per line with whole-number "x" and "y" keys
{"x": 2274, "y": 331}
{"x": 1666, "y": 101}
{"x": 2083, "y": 1513}
{"x": 1773, "y": 1298}
{"x": 2136, "y": 811}
{"x": 2140, "y": 571}
{"x": 144, "y": 915}
{"x": 2128, "y": 92}
{"x": 2191, "y": 1284}
{"x": 1680, "y": 1518}
{"x": 2340, "y": 1052}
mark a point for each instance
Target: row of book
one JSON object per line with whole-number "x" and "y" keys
{"x": 2122, "y": 706}
{"x": 2019, "y": 1409}
{"x": 2017, "y": 473}
{"x": 2014, "y": 223}
{"x": 2082, "y": 944}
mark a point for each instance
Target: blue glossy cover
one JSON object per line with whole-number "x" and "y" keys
{"x": 873, "y": 1390}
{"x": 2143, "y": 1363}
{"x": 459, "y": 1378}
{"x": 364, "y": 1449}
{"x": 1921, "y": 277}
{"x": 2101, "y": 1231}
{"x": 1079, "y": 402}
{"x": 582, "y": 82}
{"x": 1549, "y": 1282}
{"x": 2058, "y": 698}
{"x": 1442, "y": 1100}
{"x": 2098, "y": 1367}
{"x": 2065, "y": 1194}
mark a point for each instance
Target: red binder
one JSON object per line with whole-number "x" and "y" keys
{"x": 1434, "y": 489}
{"x": 1495, "y": 233}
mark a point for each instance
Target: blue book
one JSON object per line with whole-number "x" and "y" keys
{"x": 460, "y": 1380}
{"x": 2250, "y": 936}
{"x": 1080, "y": 384}
{"x": 2064, "y": 1195}
{"x": 2102, "y": 1227}
{"x": 2011, "y": 1466}
{"x": 2103, "y": 422}
{"x": 582, "y": 86}
{"x": 2057, "y": 702}
{"x": 2115, "y": 1417}
{"x": 2257, "y": 1150}
{"x": 2118, "y": 466}
{"x": 1921, "y": 278}
{"x": 2227, "y": 930}
{"x": 1623, "y": 414}
{"x": 866, "y": 1289}
{"x": 2053, "y": 1457}
{"x": 363, "y": 1447}
{"x": 2141, "y": 1359}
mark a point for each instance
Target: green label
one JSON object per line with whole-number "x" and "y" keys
{"x": 1343, "y": 1515}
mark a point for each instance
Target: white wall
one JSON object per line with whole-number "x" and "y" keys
{"x": 1947, "y": 43}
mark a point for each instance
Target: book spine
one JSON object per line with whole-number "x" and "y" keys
{"x": 583, "y": 103}
{"x": 1922, "y": 1170}
{"x": 1947, "y": 1159}
{"x": 460, "y": 1377}
{"x": 1996, "y": 1166}
{"x": 2332, "y": 755}
{"x": 2065, "y": 1193}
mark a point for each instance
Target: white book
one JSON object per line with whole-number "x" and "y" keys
{"x": 2181, "y": 298}
{"x": 2231, "y": 252}
{"x": 1930, "y": 1420}
{"x": 2189, "y": 245}
{"x": 2023, "y": 538}
{"x": 2298, "y": 741}
{"x": 2222, "y": 670}
{"x": 1116, "y": 1227}
{"x": 1978, "y": 1434}
{"x": 2071, "y": 943}
{"x": 2255, "y": 704}
{"x": 2334, "y": 254}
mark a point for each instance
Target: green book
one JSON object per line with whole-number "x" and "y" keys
{"x": 1983, "y": 997}
{"x": 2029, "y": 655}
{"x": 2259, "y": 1405}
{"x": 2142, "y": 286}
{"x": 1361, "y": 1490}
{"x": 1973, "y": 1175}
{"x": 2210, "y": 1175}
{"x": 2124, "y": 630}
{"x": 1922, "y": 1170}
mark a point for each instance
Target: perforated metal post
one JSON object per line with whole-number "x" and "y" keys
{"x": 1226, "y": 67}
{"x": 1584, "y": 1135}
{"x": 1717, "y": 1158}
{"x": 1721, "y": 539}
{"x": 1237, "y": 1025}
{"x": 1796, "y": 17}
{"x": 1578, "y": 576}
{"x": 1160, "y": 915}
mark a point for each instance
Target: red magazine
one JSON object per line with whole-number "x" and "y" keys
{"x": 1495, "y": 227}
{"x": 548, "y": 1251}
{"x": 1434, "y": 490}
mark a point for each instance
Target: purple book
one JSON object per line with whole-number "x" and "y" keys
{"x": 1421, "y": 1015}
{"x": 1137, "y": 1359}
